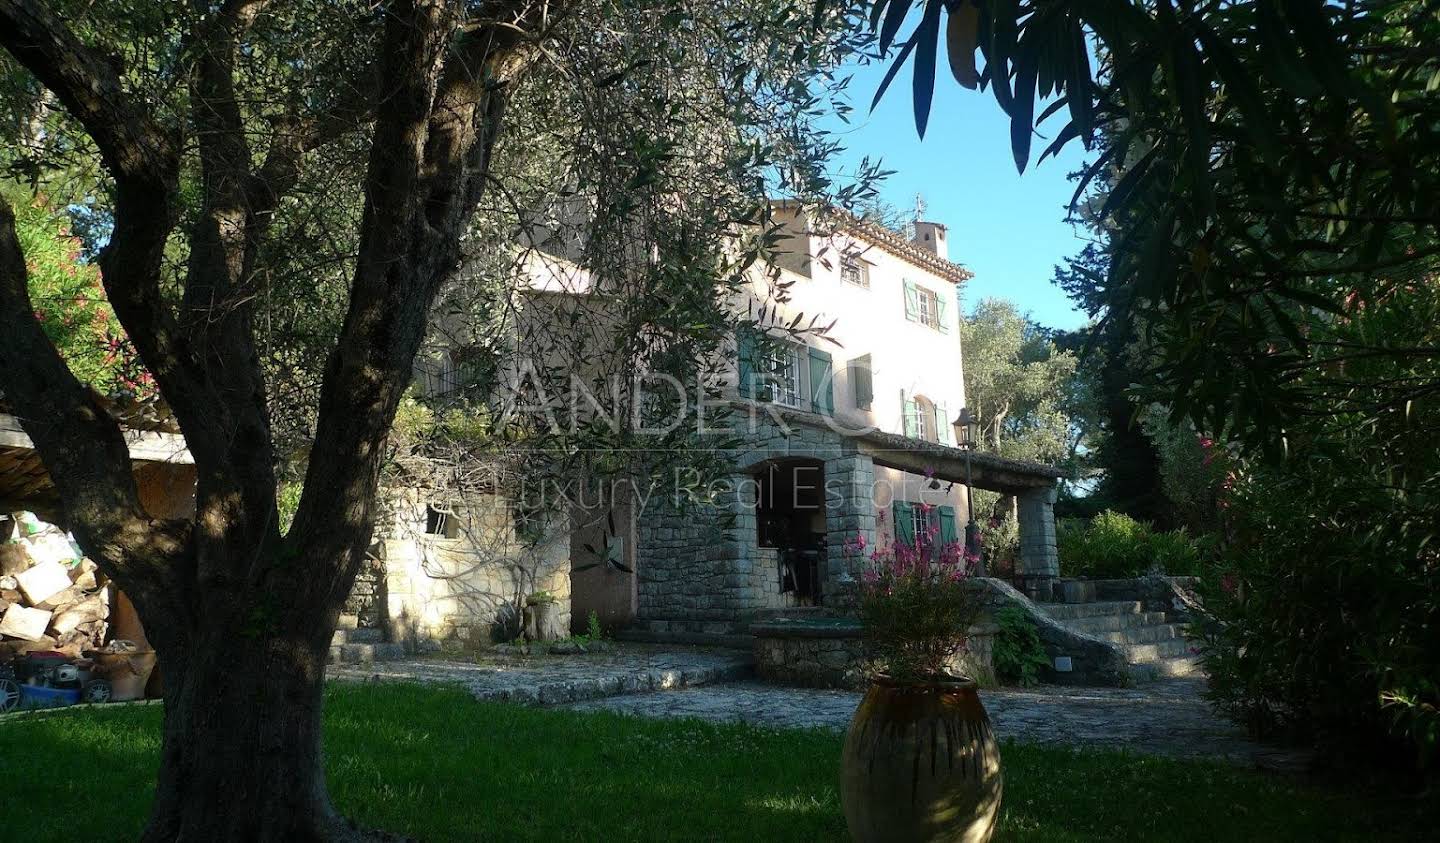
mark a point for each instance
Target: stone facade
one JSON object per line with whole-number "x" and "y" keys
{"x": 702, "y": 566}
{"x": 464, "y": 584}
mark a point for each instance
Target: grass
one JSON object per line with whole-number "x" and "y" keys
{"x": 432, "y": 763}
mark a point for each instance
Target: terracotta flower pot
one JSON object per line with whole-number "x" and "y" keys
{"x": 921, "y": 763}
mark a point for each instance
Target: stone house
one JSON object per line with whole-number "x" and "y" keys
{"x": 844, "y": 435}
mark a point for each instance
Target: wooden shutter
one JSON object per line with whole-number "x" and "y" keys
{"x": 861, "y": 384}
{"x": 942, "y": 314}
{"x": 822, "y": 382}
{"x": 912, "y": 301}
{"x": 942, "y": 425}
{"x": 948, "y": 533}
{"x": 910, "y": 416}
{"x": 904, "y": 524}
{"x": 745, "y": 360}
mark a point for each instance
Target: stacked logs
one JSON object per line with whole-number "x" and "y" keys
{"x": 51, "y": 597}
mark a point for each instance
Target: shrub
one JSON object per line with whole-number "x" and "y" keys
{"x": 1000, "y": 546}
{"x": 917, "y": 603}
{"x": 1018, "y": 655}
{"x": 1114, "y": 545}
{"x": 1321, "y": 624}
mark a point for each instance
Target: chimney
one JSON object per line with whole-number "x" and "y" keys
{"x": 930, "y": 236}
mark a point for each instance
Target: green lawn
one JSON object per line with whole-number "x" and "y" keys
{"x": 434, "y": 764}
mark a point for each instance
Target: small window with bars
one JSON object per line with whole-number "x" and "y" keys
{"x": 854, "y": 270}
{"x": 784, "y": 376}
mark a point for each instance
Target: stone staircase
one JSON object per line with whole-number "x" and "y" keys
{"x": 355, "y": 645}
{"x": 1154, "y": 646}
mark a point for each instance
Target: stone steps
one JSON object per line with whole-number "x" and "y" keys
{"x": 1151, "y": 633}
{"x": 1113, "y": 623}
{"x": 1154, "y": 647}
{"x": 352, "y": 644}
{"x": 1166, "y": 669}
{"x": 1076, "y": 611}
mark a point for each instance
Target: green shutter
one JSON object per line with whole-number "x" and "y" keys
{"x": 942, "y": 314}
{"x": 942, "y": 425}
{"x": 861, "y": 384}
{"x": 745, "y": 357}
{"x": 910, "y": 416}
{"x": 912, "y": 301}
{"x": 822, "y": 393}
{"x": 904, "y": 525}
{"x": 948, "y": 533}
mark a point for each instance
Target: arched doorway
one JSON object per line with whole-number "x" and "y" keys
{"x": 790, "y": 517}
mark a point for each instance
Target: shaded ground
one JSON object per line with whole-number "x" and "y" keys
{"x": 1163, "y": 718}
{"x": 430, "y": 763}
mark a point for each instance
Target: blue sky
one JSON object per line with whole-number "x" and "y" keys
{"x": 1007, "y": 228}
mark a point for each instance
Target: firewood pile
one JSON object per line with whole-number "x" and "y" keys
{"x": 52, "y": 599}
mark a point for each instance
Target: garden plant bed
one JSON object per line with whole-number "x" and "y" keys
{"x": 430, "y": 763}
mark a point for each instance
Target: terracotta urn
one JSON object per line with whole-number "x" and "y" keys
{"x": 921, "y": 763}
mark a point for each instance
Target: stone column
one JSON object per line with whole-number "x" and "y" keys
{"x": 849, "y": 512}
{"x": 1039, "y": 564}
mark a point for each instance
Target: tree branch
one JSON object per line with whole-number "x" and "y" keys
{"x": 83, "y": 450}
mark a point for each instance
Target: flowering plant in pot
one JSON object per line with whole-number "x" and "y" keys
{"x": 920, "y": 760}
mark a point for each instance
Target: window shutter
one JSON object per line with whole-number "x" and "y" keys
{"x": 745, "y": 360}
{"x": 910, "y": 416}
{"x": 822, "y": 393}
{"x": 948, "y": 533}
{"x": 912, "y": 301}
{"x": 904, "y": 524}
{"x": 942, "y": 314}
{"x": 942, "y": 425}
{"x": 861, "y": 384}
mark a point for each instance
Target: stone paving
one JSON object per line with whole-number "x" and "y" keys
{"x": 1165, "y": 718}
{"x": 551, "y": 679}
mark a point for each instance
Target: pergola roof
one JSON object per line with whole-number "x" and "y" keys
{"x": 24, "y": 483}
{"x": 944, "y": 462}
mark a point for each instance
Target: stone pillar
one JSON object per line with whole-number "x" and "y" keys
{"x": 849, "y": 512}
{"x": 1039, "y": 564}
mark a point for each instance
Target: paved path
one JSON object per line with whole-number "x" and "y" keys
{"x": 1167, "y": 718}
{"x": 551, "y": 679}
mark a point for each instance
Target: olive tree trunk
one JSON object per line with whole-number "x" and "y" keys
{"x": 240, "y": 615}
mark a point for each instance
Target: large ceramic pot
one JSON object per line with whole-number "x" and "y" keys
{"x": 921, "y": 763}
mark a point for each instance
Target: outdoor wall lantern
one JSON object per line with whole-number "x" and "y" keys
{"x": 967, "y": 434}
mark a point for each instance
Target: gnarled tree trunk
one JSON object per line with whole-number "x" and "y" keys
{"x": 241, "y": 758}
{"x": 240, "y": 615}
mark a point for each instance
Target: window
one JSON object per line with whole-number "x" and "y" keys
{"x": 925, "y": 306}
{"x": 441, "y": 521}
{"x": 920, "y": 515}
{"x": 929, "y": 308}
{"x": 861, "y": 383}
{"x": 783, "y": 372}
{"x": 855, "y": 271}
{"x": 785, "y": 376}
{"x": 925, "y": 419}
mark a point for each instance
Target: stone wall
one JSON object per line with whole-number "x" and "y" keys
{"x": 830, "y": 653}
{"x": 700, "y": 564}
{"x": 466, "y": 587}
{"x": 1092, "y": 661}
